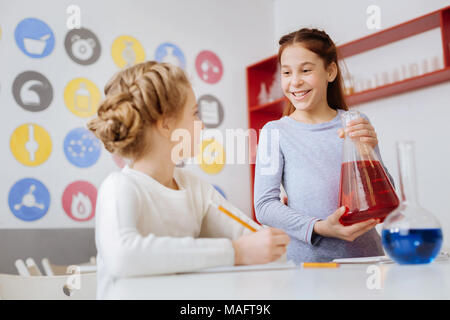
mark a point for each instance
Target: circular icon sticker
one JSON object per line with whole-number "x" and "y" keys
{"x": 79, "y": 200}
{"x": 220, "y": 191}
{"x": 30, "y": 144}
{"x": 82, "y": 97}
{"x": 127, "y": 51}
{"x": 210, "y": 111}
{"x": 82, "y": 46}
{"x": 81, "y": 147}
{"x": 209, "y": 67}
{"x": 212, "y": 156}
{"x": 34, "y": 37}
{"x": 32, "y": 91}
{"x": 170, "y": 53}
{"x": 29, "y": 199}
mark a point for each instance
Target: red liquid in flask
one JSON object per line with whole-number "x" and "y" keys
{"x": 366, "y": 191}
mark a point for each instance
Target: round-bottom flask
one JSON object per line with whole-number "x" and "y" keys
{"x": 410, "y": 234}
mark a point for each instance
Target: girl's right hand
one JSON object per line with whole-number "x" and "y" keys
{"x": 331, "y": 227}
{"x": 263, "y": 246}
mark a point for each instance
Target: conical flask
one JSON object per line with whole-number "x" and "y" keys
{"x": 411, "y": 234}
{"x": 365, "y": 188}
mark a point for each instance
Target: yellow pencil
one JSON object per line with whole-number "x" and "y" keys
{"x": 320, "y": 265}
{"x": 232, "y": 216}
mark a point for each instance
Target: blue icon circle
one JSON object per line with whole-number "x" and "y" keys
{"x": 171, "y": 53}
{"x": 29, "y": 199}
{"x": 220, "y": 191}
{"x": 34, "y": 37}
{"x": 81, "y": 147}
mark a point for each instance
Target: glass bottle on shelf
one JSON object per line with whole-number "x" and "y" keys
{"x": 263, "y": 95}
{"x": 348, "y": 84}
{"x": 410, "y": 234}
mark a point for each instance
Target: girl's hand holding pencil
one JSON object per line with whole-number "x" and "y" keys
{"x": 261, "y": 246}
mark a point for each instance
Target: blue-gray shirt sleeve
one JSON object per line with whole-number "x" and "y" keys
{"x": 269, "y": 210}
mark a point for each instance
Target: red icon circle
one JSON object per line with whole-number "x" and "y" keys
{"x": 209, "y": 67}
{"x": 79, "y": 200}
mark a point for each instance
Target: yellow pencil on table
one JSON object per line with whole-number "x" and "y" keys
{"x": 232, "y": 216}
{"x": 320, "y": 265}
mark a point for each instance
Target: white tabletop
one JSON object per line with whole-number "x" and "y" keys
{"x": 430, "y": 281}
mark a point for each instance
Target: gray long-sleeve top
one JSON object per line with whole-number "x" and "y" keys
{"x": 306, "y": 159}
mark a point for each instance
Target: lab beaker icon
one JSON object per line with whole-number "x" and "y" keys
{"x": 411, "y": 234}
{"x": 82, "y": 98}
{"x": 365, "y": 189}
{"x": 170, "y": 57}
{"x": 128, "y": 54}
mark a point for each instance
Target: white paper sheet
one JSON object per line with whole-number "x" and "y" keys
{"x": 254, "y": 267}
{"x": 384, "y": 259}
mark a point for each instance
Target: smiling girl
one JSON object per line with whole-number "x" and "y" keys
{"x": 306, "y": 147}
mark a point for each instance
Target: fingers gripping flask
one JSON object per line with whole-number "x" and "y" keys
{"x": 365, "y": 189}
{"x": 410, "y": 234}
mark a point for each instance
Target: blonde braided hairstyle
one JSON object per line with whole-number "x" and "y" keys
{"x": 135, "y": 98}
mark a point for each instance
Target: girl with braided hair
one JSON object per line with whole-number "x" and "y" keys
{"x": 306, "y": 146}
{"x": 153, "y": 217}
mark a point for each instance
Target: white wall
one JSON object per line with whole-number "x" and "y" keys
{"x": 239, "y": 32}
{"x": 420, "y": 115}
{"x": 236, "y": 31}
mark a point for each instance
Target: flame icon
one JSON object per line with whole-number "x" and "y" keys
{"x": 81, "y": 206}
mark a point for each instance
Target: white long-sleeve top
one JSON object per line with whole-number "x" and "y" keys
{"x": 144, "y": 228}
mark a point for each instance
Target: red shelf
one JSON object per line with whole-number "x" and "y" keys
{"x": 410, "y": 84}
{"x": 263, "y": 71}
{"x": 276, "y": 104}
{"x": 392, "y": 34}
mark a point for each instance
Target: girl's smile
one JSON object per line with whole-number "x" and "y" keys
{"x": 300, "y": 94}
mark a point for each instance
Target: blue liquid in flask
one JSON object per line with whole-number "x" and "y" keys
{"x": 418, "y": 246}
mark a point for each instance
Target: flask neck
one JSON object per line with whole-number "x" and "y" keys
{"x": 407, "y": 172}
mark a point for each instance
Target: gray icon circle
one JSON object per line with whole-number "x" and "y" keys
{"x": 82, "y": 46}
{"x": 32, "y": 91}
{"x": 210, "y": 111}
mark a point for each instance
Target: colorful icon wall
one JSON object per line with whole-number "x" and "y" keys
{"x": 32, "y": 143}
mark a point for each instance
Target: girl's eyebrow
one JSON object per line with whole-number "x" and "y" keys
{"x": 301, "y": 65}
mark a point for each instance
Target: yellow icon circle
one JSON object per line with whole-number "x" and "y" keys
{"x": 31, "y": 144}
{"x": 127, "y": 51}
{"x": 212, "y": 156}
{"x": 82, "y": 97}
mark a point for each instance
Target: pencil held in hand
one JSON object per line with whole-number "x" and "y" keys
{"x": 232, "y": 216}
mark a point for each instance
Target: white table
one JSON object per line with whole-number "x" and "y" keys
{"x": 346, "y": 282}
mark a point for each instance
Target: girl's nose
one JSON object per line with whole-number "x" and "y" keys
{"x": 297, "y": 80}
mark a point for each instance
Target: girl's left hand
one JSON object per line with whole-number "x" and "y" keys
{"x": 360, "y": 128}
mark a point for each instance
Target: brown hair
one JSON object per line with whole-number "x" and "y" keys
{"x": 321, "y": 44}
{"x": 135, "y": 98}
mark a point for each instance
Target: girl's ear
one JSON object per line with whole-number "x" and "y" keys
{"x": 332, "y": 71}
{"x": 164, "y": 127}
